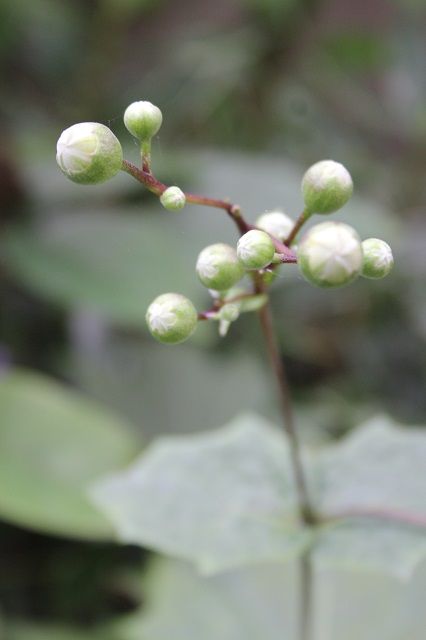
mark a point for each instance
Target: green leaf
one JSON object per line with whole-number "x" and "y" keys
{"x": 379, "y": 468}
{"x": 53, "y": 443}
{"x": 374, "y": 546}
{"x": 220, "y": 499}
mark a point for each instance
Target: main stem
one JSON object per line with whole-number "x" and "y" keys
{"x": 305, "y": 508}
{"x": 307, "y": 515}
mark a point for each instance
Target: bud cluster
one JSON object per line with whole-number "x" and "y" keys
{"x": 329, "y": 255}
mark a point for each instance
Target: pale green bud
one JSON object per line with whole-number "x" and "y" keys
{"x": 330, "y": 254}
{"x": 218, "y": 267}
{"x": 326, "y": 187}
{"x": 143, "y": 120}
{"x": 378, "y": 258}
{"x": 89, "y": 153}
{"x": 171, "y": 318}
{"x": 255, "y": 249}
{"x": 173, "y": 199}
{"x": 276, "y": 223}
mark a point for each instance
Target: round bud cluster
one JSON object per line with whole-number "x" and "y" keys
{"x": 171, "y": 318}
{"x": 378, "y": 258}
{"x": 89, "y": 153}
{"x": 255, "y": 249}
{"x": 326, "y": 187}
{"x": 143, "y": 120}
{"x": 218, "y": 267}
{"x": 173, "y": 199}
{"x": 276, "y": 223}
{"x": 330, "y": 254}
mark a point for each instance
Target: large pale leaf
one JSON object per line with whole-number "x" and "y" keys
{"x": 220, "y": 499}
{"x": 263, "y": 602}
{"x": 379, "y": 469}
{"x": 53, "y": 443}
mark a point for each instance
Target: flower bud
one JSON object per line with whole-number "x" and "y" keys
{"x": 378, "y": 258}
{"x": 230, "y": 312}
{"x": 143, "y": 120}
{"x": 276, "y": 223}
{"x": 89, "y": 153}
{"x": 330, "y": 254}
{"x": 255, "y": 249}
{"x": 171, "y": 318}
{"x": 218, "y": 267}
{"x": 326, "y": 187}
{"x": 173, "y": 199}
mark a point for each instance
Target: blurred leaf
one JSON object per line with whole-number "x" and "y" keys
{"x": 357, "y": 51}
{"x": 377, "y": 546}
{"x": 227, "y": 498}
{"x": 220, "y": 499}
{"x": 378, "y": 467}
{"x": 263, "y": 602}
{"x": 114, "y": 263}
{"x": 53, "y": 443}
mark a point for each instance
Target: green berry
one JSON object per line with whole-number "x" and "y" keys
{"x": 143, "y": 120}
{"x": 276, "y": 223}
{"x": 171, "y": 318}
{"x": 218, "y": 267}
{"x": 378, "y": 258}
{"x": 255, "y": 249}
{"x": 89, "y": 153}
{"x": 173, "y": 199}
{"x": 326, "y": 187}
{"x": 330, "y": 254}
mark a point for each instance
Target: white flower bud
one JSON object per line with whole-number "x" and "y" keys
{"x": 330, "y": 254}
{"x": 378, "y": 258}
{"x": 173, "y": 199}
{"x": 89, "y": 153}
{"x": 255, "y": 249}
{"x": 143, "y": 120}
{"x": 277, "y": 223}
{"x": 326, "y": 187}
{"x": 171, "y": 318}
{"x": 218, "y": 267}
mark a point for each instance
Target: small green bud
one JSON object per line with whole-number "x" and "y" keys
{"x": 277, "y": 223}
{"x": 378, "y": 258}
{"x": 255, "y": 249}
{"x": 326, "y": 187}
{"x": 330, "y": 254}
{"x": 171, "y": 318}
{"x": 143, "y": 120}
{"x": 218, "y": 267}
{"x": 89, "y": 153}
{"x": 173, "y": 199}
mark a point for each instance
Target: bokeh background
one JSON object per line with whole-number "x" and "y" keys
{"x": 252, "y": 93}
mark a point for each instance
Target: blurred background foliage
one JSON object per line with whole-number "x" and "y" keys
{"x": 252, "y": 92}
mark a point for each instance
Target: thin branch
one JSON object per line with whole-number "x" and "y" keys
{"x": 234, "y": 211}
{"x": 390, "y": 515}
{"x": 297, "y": 226}
{"x": 306, "y": 512}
